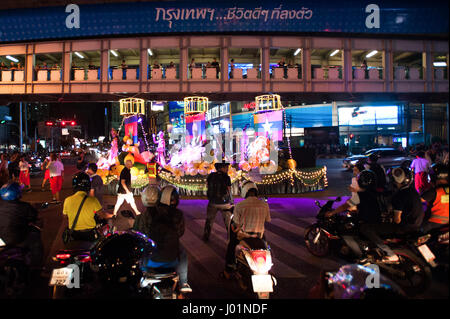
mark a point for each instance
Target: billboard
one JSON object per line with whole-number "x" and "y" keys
{"x": 368, "y": 115}
{"x": 112, "y": 19}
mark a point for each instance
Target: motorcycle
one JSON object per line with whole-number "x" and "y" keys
{"x": 254, "y": 261}
{"x": 15, "y": 261}
{"x": 73, "y": 263}
{"x": 341, "y": 233}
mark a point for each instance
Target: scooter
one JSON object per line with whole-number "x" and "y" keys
{"x": 254, "y": 261}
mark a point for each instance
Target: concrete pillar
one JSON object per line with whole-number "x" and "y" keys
{"x": 347, "y": 65}
{"x": 104, "y": 61}
{"x": 265, "y": 75}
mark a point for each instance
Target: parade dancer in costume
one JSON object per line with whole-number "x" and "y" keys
{"x": 114, "y": 147}
{"x": 161, "y": 148}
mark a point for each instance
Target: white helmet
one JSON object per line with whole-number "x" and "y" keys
{"x": 150, "y": 196}
{"x": 246, "y": 187}
{"x": 167, "y": 193}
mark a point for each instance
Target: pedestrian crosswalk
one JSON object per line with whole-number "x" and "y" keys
{"x": 291, "y": 259}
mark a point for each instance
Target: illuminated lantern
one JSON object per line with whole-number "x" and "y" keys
{"x": 203, "y": 171}
{"x": 141, "y": 172}
{"x": 292, "y": 164}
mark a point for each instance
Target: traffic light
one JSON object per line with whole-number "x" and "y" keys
{"x": 73, "y": 123}
{"x": 63, "y": 123}
{"x": 352, "y": 136}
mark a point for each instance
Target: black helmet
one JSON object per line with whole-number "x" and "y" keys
{"x": 439, "y": 171}
{"x": 81, "y": 182}
{"x": 118, "y": 258}
{"x": 402, "y": 176}
{"x": 367, "y": 180}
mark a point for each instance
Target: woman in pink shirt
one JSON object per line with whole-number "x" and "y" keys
{"x": 421, "y": 167}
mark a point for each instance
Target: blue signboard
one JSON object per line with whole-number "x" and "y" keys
{"x": 141, "y": 18}
{"x": 318, "y": 116}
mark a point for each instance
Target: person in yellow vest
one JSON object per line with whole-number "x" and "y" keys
{"x": 437, "y": 199}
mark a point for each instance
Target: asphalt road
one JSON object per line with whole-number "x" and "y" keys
{"x": 294, "y": 267}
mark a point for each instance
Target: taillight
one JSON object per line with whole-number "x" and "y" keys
{"x": 423, "y": 239}
{"x": 261, "y": 261}
{"x": 62, "y": 256}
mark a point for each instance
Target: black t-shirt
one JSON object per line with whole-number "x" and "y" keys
{"x": 97, "y": 186}
{"x": 408, "y": 202}
{"x": 368, "y": 207}
{"x": 124, "y": 175}
{"x": 218, "y": 184}
{"x": 379, "y": 172}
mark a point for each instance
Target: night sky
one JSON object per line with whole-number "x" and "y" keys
{"x": 91, "y": 116}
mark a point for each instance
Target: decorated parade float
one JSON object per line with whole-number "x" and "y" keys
{"x": 186, "y": 165}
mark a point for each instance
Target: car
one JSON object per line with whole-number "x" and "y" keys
{"x": 387, "y": 157}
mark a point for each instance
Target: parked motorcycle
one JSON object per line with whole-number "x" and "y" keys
{"x": 340, "y": 233}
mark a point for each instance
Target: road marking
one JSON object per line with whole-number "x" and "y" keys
{"x": 298, "y": 230}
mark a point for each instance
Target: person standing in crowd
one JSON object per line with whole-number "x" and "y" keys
{"x": 4, "y": 174}
{"x": 421, "y": 167}
{"x": 124, "y": 192}
{"x": 191, "y": 66}
{"x": 24, "y": 175}
{"x": 96, "y": 183}
{"x": 123, "y": 65}
{"x": 81, "y": 161}
{"x": 14, "y": 170}
{"x": 56, "y": 169}
{"x": 46, "y": 173}
{"x": 215, "y": 64}
{"x": 219, "y": 196}
{"x": 232, "y": 69}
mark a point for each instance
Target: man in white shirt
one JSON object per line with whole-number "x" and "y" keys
{"x": 56, "y": 169}
{"x": 421, "y": 167}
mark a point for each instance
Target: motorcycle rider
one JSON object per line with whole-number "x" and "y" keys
{"x": 437, "y": 199}
{"x": 219, "y": 196}
{"x": 16, "y": 223}
{"x": 164, "y": 224}
{"x": 85, "y": 227}
{"x": 248, "y": 221}
{"x": 408, "y": 213}
{"x": 372, "y": 164}
{"x": 366, "y": 202}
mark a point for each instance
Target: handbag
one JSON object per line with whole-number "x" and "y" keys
{"x": 67, "y": 235}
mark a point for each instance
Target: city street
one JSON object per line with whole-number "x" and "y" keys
{"x": 294, "y": 267}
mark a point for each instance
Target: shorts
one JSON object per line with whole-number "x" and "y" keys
{"x": 56, "y": 184}
{"x": 46, "y": 175}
